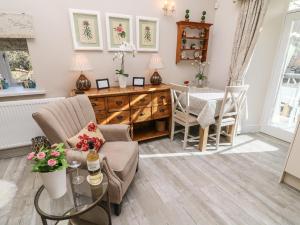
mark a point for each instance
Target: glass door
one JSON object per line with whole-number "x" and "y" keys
{"x": 283, "y": 114}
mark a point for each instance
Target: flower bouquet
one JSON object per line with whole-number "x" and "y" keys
{"x": 51, "y": 164}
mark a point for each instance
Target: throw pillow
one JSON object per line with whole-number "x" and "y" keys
{"x": 89, "y": 133}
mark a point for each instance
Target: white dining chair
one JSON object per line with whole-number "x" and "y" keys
{"x": 181, "y": 112}
{"x": 232, "y": 103}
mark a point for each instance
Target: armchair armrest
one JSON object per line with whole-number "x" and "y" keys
{"x": 115, "y": 132}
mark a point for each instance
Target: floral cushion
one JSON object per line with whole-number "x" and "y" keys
{"x": 89, "y": 133}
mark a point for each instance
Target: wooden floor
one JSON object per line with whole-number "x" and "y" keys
{"x": 173, "y": 186}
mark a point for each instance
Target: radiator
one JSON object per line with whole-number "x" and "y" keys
{"x": 17, "y": 126}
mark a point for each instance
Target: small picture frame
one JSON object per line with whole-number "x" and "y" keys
{"x": 102, "y": 83}
{"x": 138, "y": 81}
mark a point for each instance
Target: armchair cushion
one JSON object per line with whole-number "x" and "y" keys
{"x": 121, "y": 156}
{"x": 115, "y": 132}
{"x": 89, "y": 132}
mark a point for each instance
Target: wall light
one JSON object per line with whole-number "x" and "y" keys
{"x": 168, "y": 8}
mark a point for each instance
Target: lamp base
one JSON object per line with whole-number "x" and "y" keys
{"x": 155, "y": 79}
{"x": 82, "y": 83}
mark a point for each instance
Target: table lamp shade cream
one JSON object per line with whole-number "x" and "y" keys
{"x": 81, "y": 63}
{"x": 155, "y": 63}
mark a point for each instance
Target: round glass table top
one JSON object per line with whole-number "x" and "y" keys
{"x": 78, "y": 199}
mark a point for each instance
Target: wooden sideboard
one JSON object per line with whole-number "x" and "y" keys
{"x": 139, "y": 107}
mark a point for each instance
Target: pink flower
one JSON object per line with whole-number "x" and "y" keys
{"x": 55, "y": 153}
{"x": 41, "y": 155}
{"x": 52, "y": 162}
{"x": 31, "y": 155}
{"x": 92, "y": 127}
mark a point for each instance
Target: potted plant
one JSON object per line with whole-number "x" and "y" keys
{"x": 200, "y": 76}
{"x": 51, "y": 164}
{"x": 123, "y": 50}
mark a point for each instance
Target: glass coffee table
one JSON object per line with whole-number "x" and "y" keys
{"x": 82, "y": 204}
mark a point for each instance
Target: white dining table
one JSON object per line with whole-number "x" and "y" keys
{"x": 205, "y": 103}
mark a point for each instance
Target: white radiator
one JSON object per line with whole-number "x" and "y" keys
{"x": 17, "y": 126}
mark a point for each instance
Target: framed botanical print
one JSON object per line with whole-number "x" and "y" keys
{"x": 86, "y": 29}
{"x": 119, "y": 30}
{"x": 147, "y": 35}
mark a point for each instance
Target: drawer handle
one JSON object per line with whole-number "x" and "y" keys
{"x": 142, "y": 114}
{"x": 119, "y": 102}
{"x": 94, "y": 104}
{"x": 142, "y": 100}
{"x": 119, "y": 117}
{"x": 162, "y": 97}
{"x": 161, "y": 110}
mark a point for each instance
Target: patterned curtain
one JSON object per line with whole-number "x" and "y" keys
{"x": 248, "y": 28}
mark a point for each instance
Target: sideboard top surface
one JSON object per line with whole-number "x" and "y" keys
{"x": 94, "y": 92}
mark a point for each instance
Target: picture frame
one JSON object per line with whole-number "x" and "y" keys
{"x": 86, "y": 29}
{"x": 147, "y": 34}
{"x": 138, "y": 81}
{"x": 102, "y": 83}
{"x": 118, "y": 29}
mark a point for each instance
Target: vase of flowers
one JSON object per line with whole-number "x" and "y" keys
{"x": 51, "y": 164}
{"x": 200, "y": 76}
{"x": 124, "y": 49}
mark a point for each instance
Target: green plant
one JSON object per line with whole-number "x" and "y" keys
{"x": 123, "y": 49}
{"x": 201, "y": 69}
{"x": 49, "y": 160}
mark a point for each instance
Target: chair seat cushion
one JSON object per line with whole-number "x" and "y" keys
{"x": 228, "y": 121}
{"x": 181, "y": 116}
{"x": 121, "y": 156}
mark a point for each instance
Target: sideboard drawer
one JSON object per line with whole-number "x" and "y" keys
{"x": 141, "y": 114}
{"x": 161, "y": 98}
{"x": 100, "y": 116}
{"x": 160, "y": 111}
{"x": 118, "y": 103}
{"x": 98, "y": 103}
{"x": 119, "y": 117}
{"x": 141, "y": 100}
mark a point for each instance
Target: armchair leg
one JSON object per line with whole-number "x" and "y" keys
{"x": 137, "y": 168}
{"x": 118, "y": 209}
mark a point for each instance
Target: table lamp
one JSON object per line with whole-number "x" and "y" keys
{"x": 80, "y": 64}
{"x": 156, "y": 63}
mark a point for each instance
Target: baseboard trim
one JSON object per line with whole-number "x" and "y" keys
{"x": 291, "y": 181}
{"x": 15, "y": 152}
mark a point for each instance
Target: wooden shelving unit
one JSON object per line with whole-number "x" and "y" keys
{"x": 195, "y": 33}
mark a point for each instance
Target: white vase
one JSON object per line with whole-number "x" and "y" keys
{"x": 55, "y": 183}
{"x": 122, "y": 81}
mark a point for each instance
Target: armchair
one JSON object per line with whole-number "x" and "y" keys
{"x": 63, "y": 119}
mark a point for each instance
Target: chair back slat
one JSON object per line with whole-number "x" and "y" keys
{"x": 233, "y": 101}
{"x": 180, "y": 99}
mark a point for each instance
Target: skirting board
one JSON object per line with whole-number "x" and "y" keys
{"x": 15, "y": 152}
{"x": 247, "y": 128}
{"x": 291, "y": 181}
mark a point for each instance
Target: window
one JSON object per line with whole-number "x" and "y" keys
{"x": 15, "y": 64}
{"x": 294, "y": 4}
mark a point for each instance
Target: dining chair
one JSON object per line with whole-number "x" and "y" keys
{"x": 228, "y": 117}
{"x": 181, "y": 111}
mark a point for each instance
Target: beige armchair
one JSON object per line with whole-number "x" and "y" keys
{"x": 63, "y": 119}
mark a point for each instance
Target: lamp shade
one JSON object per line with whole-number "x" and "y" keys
{"x": 80, "y": 63}
{"x": 156, "y": 62}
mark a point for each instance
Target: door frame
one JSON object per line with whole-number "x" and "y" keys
{"x": 275, "y": 81}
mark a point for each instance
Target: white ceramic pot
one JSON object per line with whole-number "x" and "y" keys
{"x": 55, "y": 183}
{"x": 122, "y": 81}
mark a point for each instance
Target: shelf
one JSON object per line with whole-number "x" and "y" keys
{"x": 190, "y": 49}
{"x": 195, "y": 38}
{"x": 149, "y": 134}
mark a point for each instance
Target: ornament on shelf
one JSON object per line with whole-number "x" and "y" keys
{"x": 203, "y": 17}
{"x": 187, "y": 15}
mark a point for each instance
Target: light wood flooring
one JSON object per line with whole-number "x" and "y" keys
{"x": 186, "y": 187}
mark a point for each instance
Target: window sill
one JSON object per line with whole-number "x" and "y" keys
{"x": 20, "y": 91}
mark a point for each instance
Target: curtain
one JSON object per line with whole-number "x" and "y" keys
{"x": 248, "y": 28}
{"x": 13, "y": 25}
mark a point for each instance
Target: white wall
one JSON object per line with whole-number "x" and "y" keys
{"x": 222, "y": 42}
{"x": 260, "y": 69}
{"x": 51, "y": 50}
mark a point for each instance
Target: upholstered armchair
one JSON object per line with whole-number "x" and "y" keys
{"x": 64, "y": 118}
